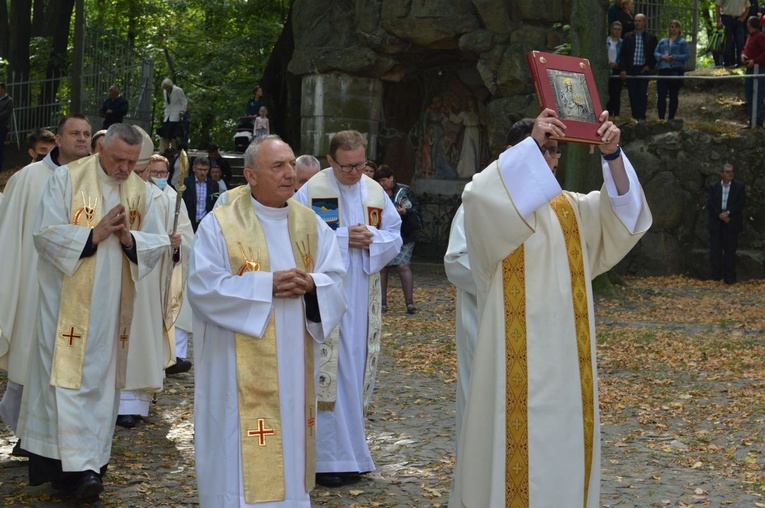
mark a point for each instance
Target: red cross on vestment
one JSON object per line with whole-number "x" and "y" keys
{"x": 311, "y": 421}
{"x": 261, "y": 432}
{"x": 71, "y": 335}
{"x": 124, "y": 338}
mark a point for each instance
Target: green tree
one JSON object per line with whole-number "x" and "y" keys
{"x": 215, "y": 50}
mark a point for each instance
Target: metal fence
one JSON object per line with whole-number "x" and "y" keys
{"x": 108, "y": 60}
{"x": 659, "y": 13}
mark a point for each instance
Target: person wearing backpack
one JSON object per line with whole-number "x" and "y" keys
{"x": 406, "y": 205}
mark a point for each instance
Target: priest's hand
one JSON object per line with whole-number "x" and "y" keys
{"x": 115, "y": 221}
{"x": 292, "y": 283}
{"x": 609, "y": 134}
{"x": 359, "y": 236}
{"x": 175, "y": 240}
{"x": 547, "y": 125}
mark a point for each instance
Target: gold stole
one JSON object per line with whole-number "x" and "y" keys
{"x": 77, "y": 290}
{"x": 516, "y": 361}
{"x": 257, "y": 372}
{"x": 329, "y": 350}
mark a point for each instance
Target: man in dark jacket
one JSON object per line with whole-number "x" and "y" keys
{"x": 201, "y": 192}
{"x": 115, "y": 107}
{"x": 725, "y": 201}
{"x": 637, "y": 59}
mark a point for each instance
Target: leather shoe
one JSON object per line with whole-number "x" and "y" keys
{"x": 127, "y": 421}
{"x": 89, "y": 486}
{"x": 334, "y": 480}
{"x": 179, "y": 367}
{"x": 18, "y": 451}
{"x": 329, "y": 480}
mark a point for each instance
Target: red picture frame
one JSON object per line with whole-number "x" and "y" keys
{"x": 566, "y": 85}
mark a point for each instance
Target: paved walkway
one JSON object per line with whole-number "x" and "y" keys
{"x": 410, "y": 432}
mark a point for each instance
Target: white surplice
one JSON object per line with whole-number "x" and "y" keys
{"x": 341, "y": 444}
{"x": 505, "y": 206}
{"x": 76, "y": 426}
{"x": 224, "y": 304}
{"x": 149, "y": 351}
{"x": 466, "y": 317}
{"x": 20, "y": 290}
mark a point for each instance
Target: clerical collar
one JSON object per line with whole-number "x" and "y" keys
{"x": 268, "y": 211}
{"x": 53, "y": 156}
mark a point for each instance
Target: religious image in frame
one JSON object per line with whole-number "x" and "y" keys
{"x": 571, "y": 95}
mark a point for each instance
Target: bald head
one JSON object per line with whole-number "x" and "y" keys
{"x": 306, "y": 166}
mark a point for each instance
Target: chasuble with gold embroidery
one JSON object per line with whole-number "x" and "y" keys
{"x": 530, "y": 435}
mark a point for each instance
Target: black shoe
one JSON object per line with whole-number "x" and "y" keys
{"x": 89, "y": 486}
{"x": 410, "y": 308}
{"x": 330, "y": 480}
{"x": 180, "y": 367}
{"x": 333, "y": 480}
{"x": 18, "y": 451}
{"x": 127, "y": 421}
{"x": 384, "y": 308}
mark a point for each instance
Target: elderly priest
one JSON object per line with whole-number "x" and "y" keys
{"x": 97, "y": 233}
{"x": 265, "y": 285}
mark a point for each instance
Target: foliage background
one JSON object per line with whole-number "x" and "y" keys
{"x": 215, "y": 50}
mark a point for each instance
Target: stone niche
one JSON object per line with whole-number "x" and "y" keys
{"x": 433, "y": 85}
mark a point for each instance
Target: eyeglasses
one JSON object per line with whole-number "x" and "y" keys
{"x": 551, "y": 151}
{"x": 347, "y": 168}
{"x": 160, "y": 174}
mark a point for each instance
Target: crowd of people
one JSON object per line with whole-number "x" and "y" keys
{"x": 282, "y": 284}
{"x": 634, "y": 54}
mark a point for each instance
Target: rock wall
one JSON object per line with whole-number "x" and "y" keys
{"x": 676, "y": 166}
{"x": 452, "y": 56}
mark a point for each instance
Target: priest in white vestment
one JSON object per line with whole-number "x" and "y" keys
{"x": 458, "y": 272}
{"x": 152, "y": 346}
{"x": 367, "y": 227}
{"x": 19, "y": 297}
{"x": 96, "y": 233}
{"x": 266, "y": 278}
{"x": 530, "y": 431}
{"x": 465, "y": 320}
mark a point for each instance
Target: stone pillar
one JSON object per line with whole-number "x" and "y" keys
{"x": 336, "y": 102}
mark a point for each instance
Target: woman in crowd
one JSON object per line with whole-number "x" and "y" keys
{"x": 671, "y": 54}
{"x": 406, "y": 205}
{"x": 624, "y": 16}
{"x": 614, "y": 47}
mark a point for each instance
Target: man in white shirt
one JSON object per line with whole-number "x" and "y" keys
{"x": 175, "y": 107}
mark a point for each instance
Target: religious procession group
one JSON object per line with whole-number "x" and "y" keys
{"x": 284, "y": 294}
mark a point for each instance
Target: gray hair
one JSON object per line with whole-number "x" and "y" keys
{"x": 167, "y": 82}
{"x": 124, "y": 132}
{"x": 202, "y": 161}
{"x": 252, "y": 151}
{"x": 308, "y": 161}
{"x": 114, "y": 88}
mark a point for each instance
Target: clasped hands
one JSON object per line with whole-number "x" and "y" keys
{"x": 114, "y": 222}
{"x": 292, "y": 283}
{"x": 359, "y": 236}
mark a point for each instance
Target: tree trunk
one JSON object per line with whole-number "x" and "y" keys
{"x": 38, "y": 17}
{"x": 4, "y": 38}
{"x": 582, "y": 169}
{"x": 56, "y": 26}
{"x": 18, "y": 43}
